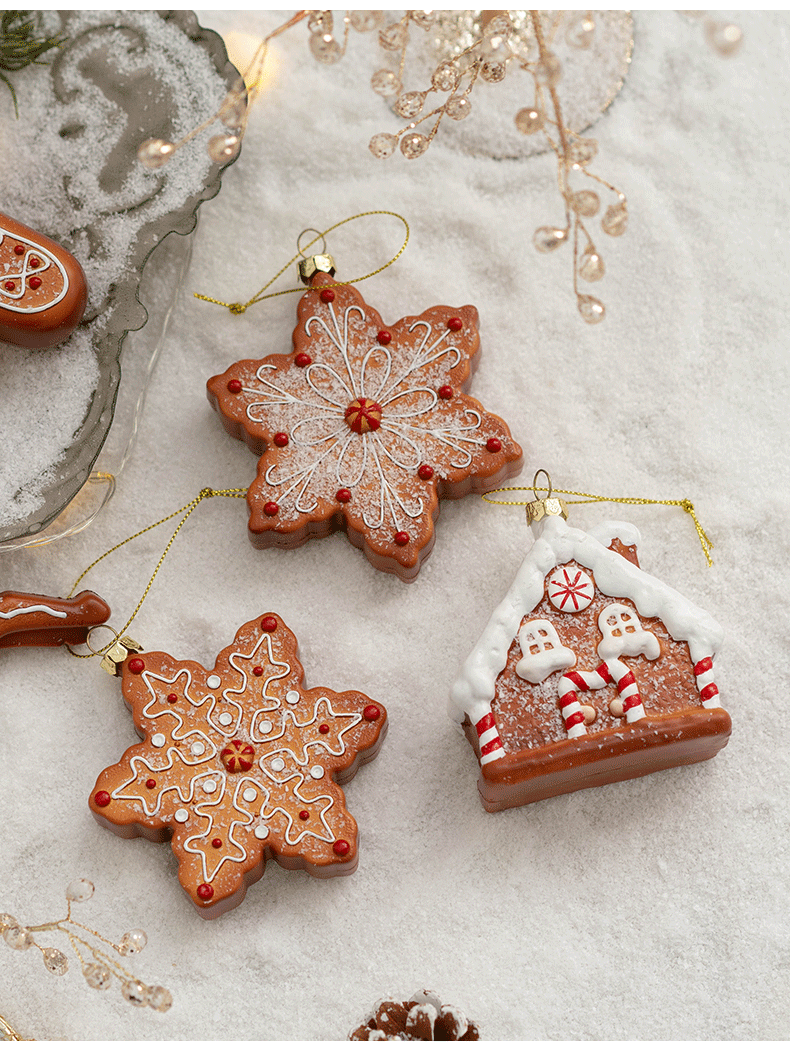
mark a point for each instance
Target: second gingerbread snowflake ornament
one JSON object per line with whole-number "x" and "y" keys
{"x": 364, "y": 427}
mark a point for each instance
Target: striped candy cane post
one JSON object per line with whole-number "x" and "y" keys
{"x": 708, "y": 691}
{"x": 626, "y": 687}
{"x": 490, "y": 743}
{"x": 568, "y": 689}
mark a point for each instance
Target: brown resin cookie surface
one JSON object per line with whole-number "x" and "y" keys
{"x": 364, "y": 427}
{"x": 239, "y": 764}
{"x": 42, "y": 288}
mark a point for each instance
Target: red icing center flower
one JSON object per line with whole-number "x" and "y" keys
{"x": 238, "y": 755}
{"x": 363, "y": 415}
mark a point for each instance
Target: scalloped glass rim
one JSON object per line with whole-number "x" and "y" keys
{"x": 128, "y": 314}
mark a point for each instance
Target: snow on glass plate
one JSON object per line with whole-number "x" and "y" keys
{"x": 69, "y": 170}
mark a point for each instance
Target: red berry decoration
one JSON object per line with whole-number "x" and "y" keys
{"x": 136, "y": 666}
{"x": 216, "y": 843}
{"x": 341, "y": 847}
{"x": 102, "y": 798}
{"x": 150, "y": 783}
{"x": 371, "y": 713}
{"x": 234, "y": 385}
{"x": 9, "y": 285}
{"x": 19, "y": 249}
{"x": 425, "y": 472}
{"x": 258, "y": 671}
{"x": 455, "y": 323}
{"x": 343, "y": 495}
{"x": 271, "y": 508}
{"x": 401, "y": 538}
{"x": 327, "y": 295}
{"x": 323, "y": 728}
{"x": 446, "y": 392}
{"x": 304, "y": 815}
{"x": 493, "y": 445}
{"x": 269, "y": 624}
{"x": 281, "y": 439}
{"x": 205, "y": 892}
{"x": 301, "y": 359}
{"x": 383, "y": 337}
{"x": 172, "y": 698}
{"x": 35, "y": 262}
{"x": 34, "y": 282}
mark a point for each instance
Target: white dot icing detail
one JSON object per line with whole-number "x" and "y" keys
{"x": 266, "y": 728}
{"x": 213, "y": 682}
{"x": 158, "y": 740}
{"x": 198, "y": 748}
{"x": 249, "y": 794}
{"x": 181, "y": 815}
{"x": 209, "y": 786}
{"x": 261, "y": 832}
{"x": 317, "y": 772}
{"x": 225, "y": 719}
{"x": 277, "y": 765}
{"x": 292, "y": 697}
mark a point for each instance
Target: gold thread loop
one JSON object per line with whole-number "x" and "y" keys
{"x": 236, "y": 308}
{"x": 586, "y": 499}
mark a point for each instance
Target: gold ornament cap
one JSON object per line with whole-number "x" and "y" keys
{"x": 540, "y": 508}
{"x": 118, "y": 653}
{"x": 309, "y": 267}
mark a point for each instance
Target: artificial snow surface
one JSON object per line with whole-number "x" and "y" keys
{"x": 649, "y": 909}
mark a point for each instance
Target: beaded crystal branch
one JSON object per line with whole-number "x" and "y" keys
{"x": 99, "y": 967}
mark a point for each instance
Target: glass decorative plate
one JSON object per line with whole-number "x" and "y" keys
{"x": 70, "y": 170}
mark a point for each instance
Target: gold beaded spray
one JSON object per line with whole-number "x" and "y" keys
{"x": 99, "y": 967}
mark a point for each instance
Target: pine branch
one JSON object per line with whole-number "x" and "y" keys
{"x": 21, "y": 44}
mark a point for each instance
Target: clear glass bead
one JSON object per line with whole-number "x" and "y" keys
{"x": 500, "y": 25}
{"x": 159, "y": 999}
{"x": 326, "y": 49}
{"x": 222, "y": 148}
{"x": 493, "y": 72}
{"x": 423, "y": 19}
{"x": 582, "y": 150}
{"x": 591, "y": 267}
{"x": 385, "y": 83}
{"x": 233, "y": 112}
{"x": 585, "y": 202}
{"x": 529, "y": 121}
{"x": 548, "y": 238}
{"x": 155, "y": 152}
{"x": 592, "y": 310}
{"x": 132, "y": 942}
{"x": 98, "y": 976}
{"x": 7, "y": 921}
{"x": 494, "y": 48}
{"x": 55, "y": 961}
{"x": 458, "y": 108}
{"x": 445, "y": 78}
{"x": 18, "y": 937}
{"x": 80, "y": 890}
{"x": 383, "y": 145}
{"x": 394, "y": 37}
{"x": 548, "y": 71}
{"x": 580, "y": 31}
{"x": 615, "y": 219}
{"x": 320, "y": 22}
{"x": 723, "y": 37}
{"x": 365, "y": 21}
{"x": 410, "y": 104}
{"x": 413, "y": 145}
{"x": 135, "y": 992}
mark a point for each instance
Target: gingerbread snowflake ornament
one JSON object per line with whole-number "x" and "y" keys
{"x": 364, "y": 426}
{"x": 239, "y": 764}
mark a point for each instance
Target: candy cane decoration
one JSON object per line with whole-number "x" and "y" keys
{"x": 490, "y": 742}
{"x": 610, "y": 671}
{"x": 708, "y": 691}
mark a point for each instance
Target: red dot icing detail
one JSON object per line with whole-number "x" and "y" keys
{"x": 304, "y": 815}
{"x": 281, "y": 439}
{"x": 401, "y": 538}
{"x": 205, "y": 892}
{"x": 257, "y": 671}
{"x": 455, "y": 323}
{"x": 172, "y": 698}
{"x": 341, "y": 848}
{"x": 19, "y": 249}
{"x": 271, "y": 508}
{"x": 35, "y": 262}
{"x": 102, "y": 798}
{"x": 327, "y": 295}
{"x": 446, "y": 392}
{"x": 383, "y": 337}
{"x": 343, "y": 495}
{"x": 216, "y": 843}
{"x": 136, "y": 666}
{"x": 9, "y": 285}
{"x": 150, "y": 783}
{"x": 323, "y": 728}
{"x": 493, "y": 445}
{"x": 371, "y": 713}
{"x": 302, "y": 359}
{"x": 234, "y": 385}
{"x": 425, "y": 472}
{"x": 269, "y": 623}
{"x": 35, "y": 282}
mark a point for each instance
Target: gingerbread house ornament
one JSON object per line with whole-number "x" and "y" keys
{"x": 589, "y": 671}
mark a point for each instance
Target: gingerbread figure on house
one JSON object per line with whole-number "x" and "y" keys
{"x": 589, "y": 671}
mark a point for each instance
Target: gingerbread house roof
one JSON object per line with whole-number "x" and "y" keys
{"x": 555, "y": 545}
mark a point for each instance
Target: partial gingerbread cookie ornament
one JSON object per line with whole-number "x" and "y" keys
{"x": 29, "y": 619}
{"x": 43, "y": 292}
{"x": 422, "y": 1018}
{"x": 364, "y": 426}
{"x": 239, "y": 764}
{"x": 589, "y": 671}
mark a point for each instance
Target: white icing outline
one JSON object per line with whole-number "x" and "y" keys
{"x": 24, "y": 273}
{"x": 37, "y": 608}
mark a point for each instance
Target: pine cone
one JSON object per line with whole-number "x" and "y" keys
{"x": 422, "y": 1018}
